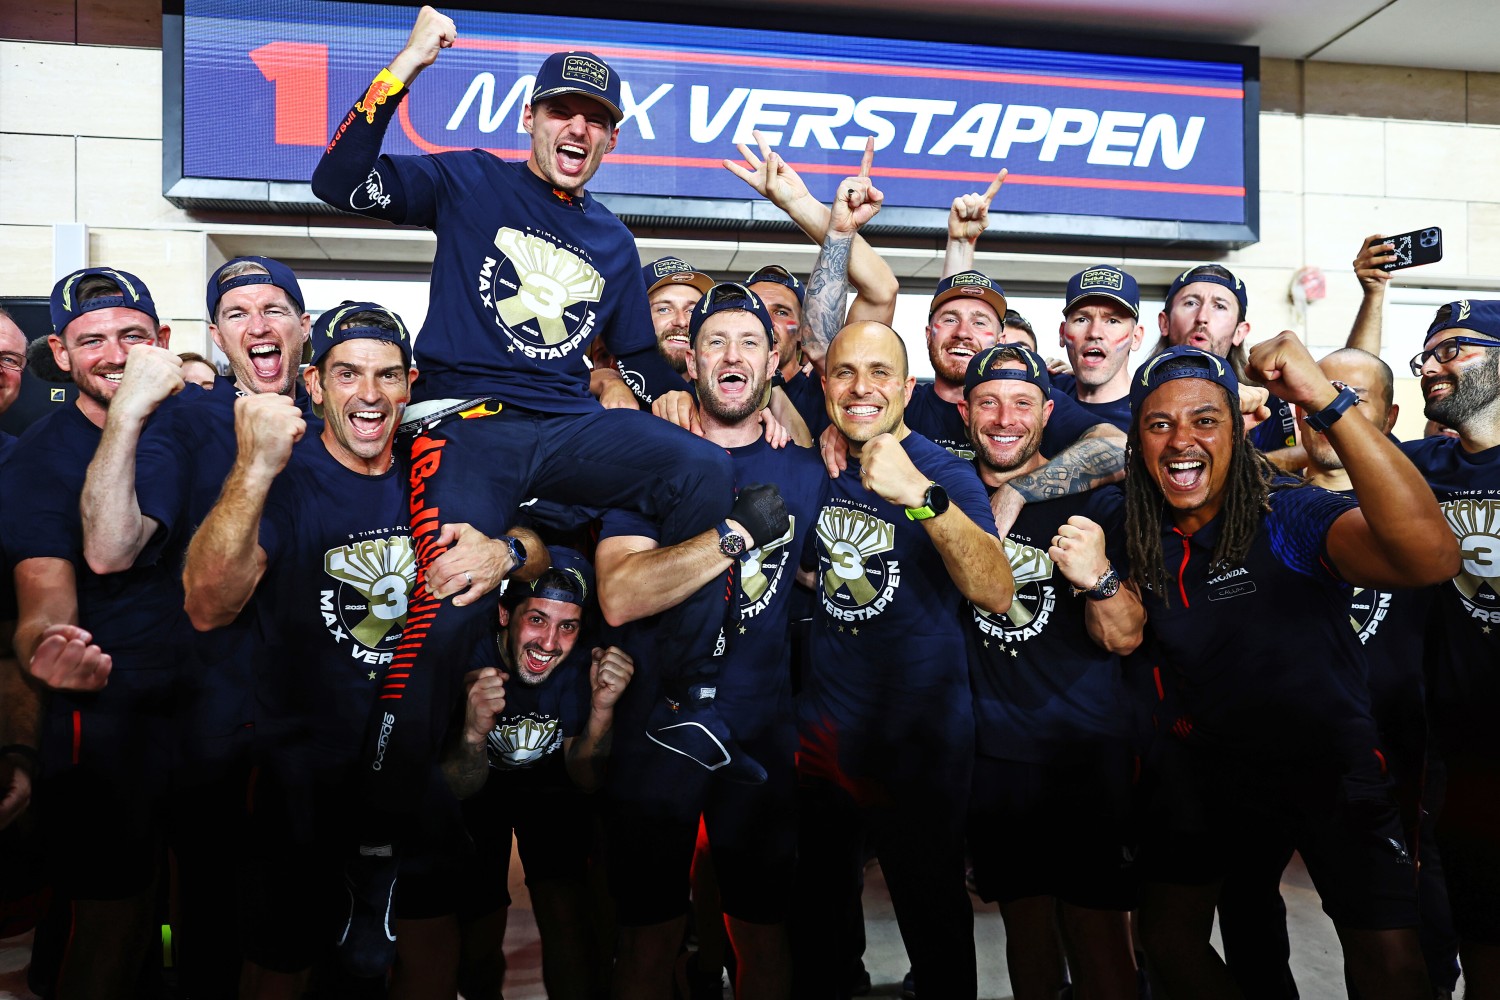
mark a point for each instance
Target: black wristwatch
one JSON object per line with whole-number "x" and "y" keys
{"x": 731, "y": 542}
{"x": 934, "y": 502}
{"x": 1107, "y": 586}
{"x": 1329, "y": 415}
{"x": 517, "y": 553}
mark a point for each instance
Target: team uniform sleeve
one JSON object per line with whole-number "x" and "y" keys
{"x": 164, "y": 468}
{"x": 1107, "y": 510}
{"x": 627, "y": 522}
{"x": 1298, "y": 526}
{"x": 963, "y": 486}
{"x": 1067, "y": 424}
{"x": 648, "y": 374}
{"x": 276, "y": 522}
{"x": 41, "y": 516}
{"x": 353, "y": 176}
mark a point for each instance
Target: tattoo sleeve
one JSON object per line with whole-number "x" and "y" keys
{"x": 1082, "y": 466}
{"x": 827, "y": 290}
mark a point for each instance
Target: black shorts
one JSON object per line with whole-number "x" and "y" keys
{"x": 1205, "y": 808}
{"x": 553, "y": 826}
{"x": 752, "y": 835}
{"x": 103, "y": 795}
{"x": 1060, "y": 828}
{"x": 1468, "y": 833}
{"x": 295, "y": 900}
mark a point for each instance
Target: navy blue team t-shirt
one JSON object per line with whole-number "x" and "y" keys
{"x": 754, "y": 683}
{"x": 936, "y": 419}
{"x": 331, "y": 607}
{"x": 184, "y": 455}
{"x": 135, "y": 616}
{"x": 1463, "y": 647}
{"x": 1116, "y": 411}
{"x": 1262, "y": 654}
{"x": 886, "y": 697}
{"x": 1040, "y": 682}
{"x": 523, "y": 280}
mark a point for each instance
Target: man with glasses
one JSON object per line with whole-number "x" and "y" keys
{"x": 1460, "y": 372}
{"x": 1390, "y": 623}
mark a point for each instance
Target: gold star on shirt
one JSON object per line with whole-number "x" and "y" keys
{"x": 986, "y": 644}
{"x": 841, "y": 628}
{"x": 742, "y": 630}
{"x": 1014, "y": 653}
{"x": 372, "y": 675}
{"x": 854, "y": 631}
{"x": 1486, "y": 630}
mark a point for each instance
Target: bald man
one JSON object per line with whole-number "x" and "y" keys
{"x": 886, "y": 727}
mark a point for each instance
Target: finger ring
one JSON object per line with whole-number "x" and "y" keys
{"x": 469, "y": 579}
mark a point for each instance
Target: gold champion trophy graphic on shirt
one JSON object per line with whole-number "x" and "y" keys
{"x": 1027, "y": 565}
{"x": 753, "y": 579}
{"x": 552, "y": 279}
{"x": 1476, "y": 524}
{"x": 851, "y": 538}
{"x": 383, "y": 570}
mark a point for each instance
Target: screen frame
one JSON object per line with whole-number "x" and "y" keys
{"x": 752, "y": 214}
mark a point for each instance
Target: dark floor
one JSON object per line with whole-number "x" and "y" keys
{"x": 1316, "y": 961}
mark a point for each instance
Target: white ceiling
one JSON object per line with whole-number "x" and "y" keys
{"x": 1445, "y": 34}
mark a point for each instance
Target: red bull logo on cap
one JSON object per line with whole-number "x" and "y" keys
{"x": 582, "y": 69}
{"x": 1102, "y": 277}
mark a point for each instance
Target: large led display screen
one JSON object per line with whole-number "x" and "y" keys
{"x": 1097, "y": 144}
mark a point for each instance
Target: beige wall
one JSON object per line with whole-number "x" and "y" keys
{"x": 1345, "y": 151}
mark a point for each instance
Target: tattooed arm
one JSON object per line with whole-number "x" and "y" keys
{"x": 1095, "y": 459}
{"x": 855, "y": 203}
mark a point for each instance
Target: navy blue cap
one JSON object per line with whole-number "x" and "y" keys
{"x": 667, "y": 270}
{"x": 326, "y": 332}
{"x": 779, "y": 275}
{"x": 724, "y": 296}
{"x": 579, "y": 73}
{"x": 570, "y": 580}
{"x": 986, "y": 367}
{"x": 276, "y": 273}
{"x": 66, "y": 307}
{"x": 969, "y": 283}
{"x": 1477, "y": 315}
{"x": 1196, "y": 274}
{"x": 1104, "y": 281}
{"x": 1191, "y": 362}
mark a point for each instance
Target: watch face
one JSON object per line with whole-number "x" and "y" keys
{"x": 936, "y": 499}
{"x": 731, "y": 544}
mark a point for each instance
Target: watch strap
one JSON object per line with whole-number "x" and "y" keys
{"x": 1330, "y": 414}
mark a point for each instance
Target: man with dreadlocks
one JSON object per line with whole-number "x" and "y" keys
{"x": 1268, "y": 745}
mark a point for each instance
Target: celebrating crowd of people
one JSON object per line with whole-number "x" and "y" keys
{"x": 689, "y": 590}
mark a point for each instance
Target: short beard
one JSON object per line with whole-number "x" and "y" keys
{"x": 1474, "y": 392}
{"x": 731, "y": 414}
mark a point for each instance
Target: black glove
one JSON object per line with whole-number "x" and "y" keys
{"x": 762, "y": 512}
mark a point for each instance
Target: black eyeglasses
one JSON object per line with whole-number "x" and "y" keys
{"x": 12, "y": 362}
{"x": 1447, "y": 351}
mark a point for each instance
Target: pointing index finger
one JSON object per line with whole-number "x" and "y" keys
{"x": 869, "y": 157}
{"x": 994, "y": 188}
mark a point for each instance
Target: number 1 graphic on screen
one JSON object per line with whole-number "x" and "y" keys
{"x": 299, "y": 72}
